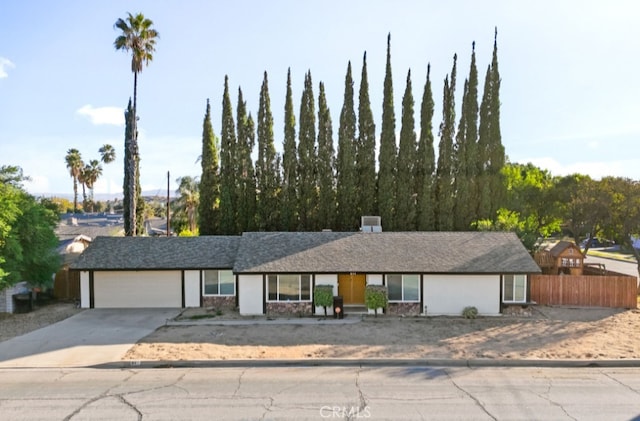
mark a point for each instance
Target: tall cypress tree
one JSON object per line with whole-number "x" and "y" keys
{"x": 132, "y": 158}
{"x": 347, "y": 212}
{"x": 491, "y": 155}
{"x": 444, "y": 172}
{"x": 426, "y": 165}
{"x": 307, "y": 159}
{"x": 496, "y": 149}
{"x": 465, "y": 162}
{"x": 326, "y": 165}
{"x": 289, "y": 202}
{"x": 228, "y": 166}
{"x": 483, "y": 186}
{"x": 406, "y": 194}
{"x": 246, "y": 188}
{"x": 128, "y": 161}
{"x": 366, "y": 149}
{"x": 267, "y": 166}
{"x": 388, "y": 151}
{"x": 209, "y": 180}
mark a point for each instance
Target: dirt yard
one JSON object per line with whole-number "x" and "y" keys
{"x": 18, "y": 324}
{"x": 549, "y": 333}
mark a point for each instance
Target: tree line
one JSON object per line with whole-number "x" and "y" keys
{"x": 312, "y": 186}
{"x": 27, "y": 238}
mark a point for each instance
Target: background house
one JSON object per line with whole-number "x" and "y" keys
{"x": 564, "y": 257}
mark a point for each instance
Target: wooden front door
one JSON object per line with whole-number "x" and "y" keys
{"x": 351, "y": 287}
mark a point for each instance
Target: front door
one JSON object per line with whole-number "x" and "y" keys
{"x": 351, "y": 287}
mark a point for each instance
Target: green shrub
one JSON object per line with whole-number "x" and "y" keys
{"x": 470, "y": 312}
{"x": 323, "y": 297}
{"x": 375, "y": 297}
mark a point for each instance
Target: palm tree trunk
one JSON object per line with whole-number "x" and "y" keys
{"x": 75, "y": 194}
{"x": 84, "y": 197}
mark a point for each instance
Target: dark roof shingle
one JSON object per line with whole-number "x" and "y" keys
{"x": 144, "y": 253}
{"x": 424, "y": 252}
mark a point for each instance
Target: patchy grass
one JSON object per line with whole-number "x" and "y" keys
{"x": 202, "y": 316}
{"x": 615, "y": 255}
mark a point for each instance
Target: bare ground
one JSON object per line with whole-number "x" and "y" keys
{"x": 549, "y": 333}
{"x": 12, "y": 325}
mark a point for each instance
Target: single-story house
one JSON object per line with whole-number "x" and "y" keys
{"x": 431, "y": 273}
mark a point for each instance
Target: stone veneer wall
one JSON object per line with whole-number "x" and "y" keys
{"x": 289, "y": 309}
{"x": 222, "y": 302}
{"x": 406, "y": 309}
{"x": 517, "y": 310}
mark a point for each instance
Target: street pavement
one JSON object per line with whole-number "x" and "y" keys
{"x": 91, "y": 337}
{"x": 316, "y": 393}
{"x": 619, "y": 266}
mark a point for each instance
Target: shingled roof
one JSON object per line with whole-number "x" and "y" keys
{"x": 385, "y": 252}
{"x": 145, "y": 253}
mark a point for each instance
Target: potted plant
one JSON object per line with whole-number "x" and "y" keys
{"x": 323, "y": 297}
{"x": 375, "y": 297}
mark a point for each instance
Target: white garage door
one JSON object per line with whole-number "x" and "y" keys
{"x": 450, "y": 294}
{"x": 137, "y": 289}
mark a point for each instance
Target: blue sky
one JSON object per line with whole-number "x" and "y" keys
{"x": 570, "y": 83}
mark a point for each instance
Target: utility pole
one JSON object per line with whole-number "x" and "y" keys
{"x": 168, "y": 209}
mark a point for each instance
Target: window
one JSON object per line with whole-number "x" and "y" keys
{"x": 289, "y": 287}
{"x": 403, "y": 287}
{"x": 219, "y": 282}
{"x": 514, "y": 288}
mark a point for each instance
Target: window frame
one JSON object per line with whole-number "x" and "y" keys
{"x": 300, "y": 276}
{"x": 218, "y": 271}
{"x": 513, "y": 289}
{"x": 402, "y": 286}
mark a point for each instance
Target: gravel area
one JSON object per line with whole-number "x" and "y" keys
{"x": 12, "y": 325}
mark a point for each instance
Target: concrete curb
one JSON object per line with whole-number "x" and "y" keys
{"x": 250, "y": 322}
{"x": 474, "y": 363}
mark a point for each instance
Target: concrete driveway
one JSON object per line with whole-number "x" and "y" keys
{"x": 95, "y": 336}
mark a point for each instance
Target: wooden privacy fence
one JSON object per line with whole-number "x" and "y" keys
{"x": 584, "y": 290}
{"x": 66, "y": 285}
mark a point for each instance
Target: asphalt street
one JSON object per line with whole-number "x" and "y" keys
{"x": 316, "y": 393}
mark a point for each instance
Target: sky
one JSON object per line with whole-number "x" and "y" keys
{"x": 569, "y": 94}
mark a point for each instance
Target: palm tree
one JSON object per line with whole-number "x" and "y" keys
{"x": 92, "y": 173}
{"x": 74, "y": 165}
{"x": 107, "y": 154}
{"x": 189, "y": 191}
{"x": 140, "y": 38}
{"x": 82, "y": 179}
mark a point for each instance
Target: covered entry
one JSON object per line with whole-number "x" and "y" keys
{"x": 351, "y": 287}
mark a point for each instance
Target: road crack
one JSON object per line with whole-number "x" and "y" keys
{"x": 235, "y": 392}
{"x": 621, "y": 384}
{"x": 473, "y": 398}
{"x": 546, "y": 396}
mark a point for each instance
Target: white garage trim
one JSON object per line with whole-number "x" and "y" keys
{"x": 450, "y": 294}
{"x": 146, "y": 289}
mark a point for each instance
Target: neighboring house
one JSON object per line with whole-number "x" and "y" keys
{"x": 432, "y": 273}
{"x": 564, "y": 257}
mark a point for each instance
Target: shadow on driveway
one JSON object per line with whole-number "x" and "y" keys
{"x": 91, "y": 337}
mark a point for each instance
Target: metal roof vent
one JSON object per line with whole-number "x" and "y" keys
{"x": 371, "y": 224}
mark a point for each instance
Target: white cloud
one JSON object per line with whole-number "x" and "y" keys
{"x": 596, "y": 169}
{"x": 5, "y": 64}
{"x": 103, "y": 115}
{"x": 38, "y": 184}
